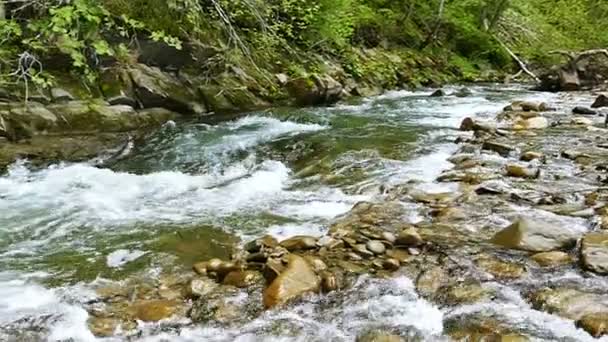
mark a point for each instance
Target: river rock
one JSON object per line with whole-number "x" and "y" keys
{"x": 375, "y": 247}
{"x": 409, "y": 237}
{"x": 529, "y": 106}
{"x": 596, "y": 324}
{"x": 551, "y": 259}
{"x": 330, "y": 282}
{"x": 61, "y": 95}
{"x": 580, "y": 121}
{"x": 297, "y": 279}
{"x": 301, "y": 242}
{"x": 315, "y": 90}
{"x": 217, "y": 310}
{"x": 438, "y": 93}
{"x": 362, "y": 250}
{"x": 583, "y": 111}
{"x": 257, "y": 245}
{"x": 242, "y": 279}
{"x": 24, "y": 121}
{"x": 155, "y": 88}
{"x": 153, "y": 310}
{"x": 538, "y": 122}
{"x": 378, "y": 336}
{"x": 569, "y": 303}
{"x": 534, "y": 236}
{"x": 501, "y": 269}
{"x": 594, "y": 252}
{"x": 216, "y": 267}
{"x": 502, "y": 149}
{"x": 201, "y": 287}
{"x": 466, "y": 293}
{"x": 462, "y": 92}
{"x": 518, "y": 171}
{"x": 600, "y": 101}
{"x": 531, "y": 155}
{"x": 391, "y": 264}
{"x": 430, "y": 281}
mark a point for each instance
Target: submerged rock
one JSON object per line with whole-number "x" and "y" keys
{"x": 378, "y": 336}
{"x": 502, "y": 149}
{"x": 531, "y": 155}
{"x": 463, "y": 92}
{"x": 409, "y": 237}
{"x": 551, "y": 259}
{"x": 501, "y": 269}
{"x": 583, "y": 111}
{"x": 438, "y": 93}
{"x": 514, "y": 170}
{"x": 596, "y": 324}
{"x": 299, "y": 243}
{"x": 153, "y": 310}
{"x": 600, "y": 101}
{"x": 295, "y": 280}
{"x": 534, "y": 236}
{"x": 538, "y": 122}
{"x": 594, "y": 252}
{"x": 242, "y": 279}
{"x": 375, "y": 247}
{"x": 569, "y": 303}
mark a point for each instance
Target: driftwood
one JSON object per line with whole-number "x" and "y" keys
{"x": 521, "y": 64}
{"x": 575, "y": 57}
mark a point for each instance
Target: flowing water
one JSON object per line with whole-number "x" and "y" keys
{"x": 67, "y": 227}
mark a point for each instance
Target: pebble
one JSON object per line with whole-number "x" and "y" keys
{"x": 362, "y": 250}
{"x": 376, "y": 247}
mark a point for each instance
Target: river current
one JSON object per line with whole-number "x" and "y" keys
{"x": 284, "y": 172}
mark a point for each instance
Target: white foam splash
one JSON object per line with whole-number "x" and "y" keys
{"x": 121, "y": 257}
{"x": 22, "y": 299}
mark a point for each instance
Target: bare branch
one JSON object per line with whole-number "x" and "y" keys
{"x": 521, "y": 64}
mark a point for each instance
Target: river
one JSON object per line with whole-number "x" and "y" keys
{"x": 67, "y": 228}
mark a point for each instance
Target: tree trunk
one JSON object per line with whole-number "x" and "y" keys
{"x": 433, "y": 35}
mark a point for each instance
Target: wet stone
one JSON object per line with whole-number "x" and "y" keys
{"x": 466, "y": 294}
{"x": 361, "y": 249}
{"x": 501, "y": 269}
{"x": 534, "y": 236}
{"x": 153, "y": 310}
{"x": 201, "y": 287}
{"x": 530, "y": 156}
{"x": 391, "y": 264}
{"x": 257, "y": 245}
{"x": 378, "y": 336}
{"x": 375, "y": 247}
{"x": 583, "y": 111}
{"x": 502, "y": 149}
{"x": 390, "y": 237}
{"x": 409, "y": 238}
{"x": 594, "y": 252}
{"x": 552, "y": 259}
{"x": 242, "y": 279}
{"x": 297, "y": 243}
{"x": 518, "y": 171}
{"x": 429, "y": 281}
{"x": 596, "y": 324}
{"x": 569, "y": 302}
{"x": 296, "y": 279}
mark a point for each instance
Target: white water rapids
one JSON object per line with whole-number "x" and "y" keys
{"x": 224, "y": 176}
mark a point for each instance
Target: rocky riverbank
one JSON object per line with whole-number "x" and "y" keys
{"x": 40, "y": 127}
{"x": 527, "y": 213}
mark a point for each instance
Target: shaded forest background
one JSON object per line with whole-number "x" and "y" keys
{"x": 293, "y": 36}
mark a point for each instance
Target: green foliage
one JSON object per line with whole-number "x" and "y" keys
{"x": 286, "y": 35}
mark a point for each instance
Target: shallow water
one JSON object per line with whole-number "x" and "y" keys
{"x": 281, "y": 171}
